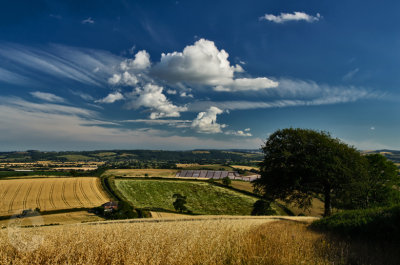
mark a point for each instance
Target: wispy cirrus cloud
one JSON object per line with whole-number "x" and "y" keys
{"x": 12, "y": 78}
{"x": 349, "y": 75}
{"x": 47, "y": 96}
{"x": 27, "y": 125}
{"x": 295, "y": 16}
{"x": 46, "y": 64}
{"x": 88, "y": 20}
{"x": 294, "y": 93}
{"x": 169, "y": 122}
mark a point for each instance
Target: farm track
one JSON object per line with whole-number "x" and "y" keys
{"x": 84, "y": 193}
{"x": 63, "y": 194}
{"x": 51, "y": 195}
{"x": 38, "y": 195}
{"x": 26, "y": 197}
{"x": 10, "y": 206}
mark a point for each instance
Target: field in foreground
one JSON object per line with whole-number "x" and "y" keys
{"x": 49, "y": 194}
{"x": 236, "y": 241}
{"x": 202, "y": 197}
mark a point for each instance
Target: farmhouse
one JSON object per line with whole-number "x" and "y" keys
{"x": 110, "y": 206}
{"x": 213, "y": 174}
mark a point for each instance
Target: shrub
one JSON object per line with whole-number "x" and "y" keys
{"x": 226, "y": 181}
{"x": 376, "y": 223}
{"x": 262, "y": 207}
{"x": 179, "y": 203}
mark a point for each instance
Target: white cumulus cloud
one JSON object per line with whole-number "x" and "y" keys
{"x": 47, "y": 96}
{"x": 151, "y": 96}
{"x": 204, "y": 64}
{"x": 111, "y": 98}
{"x": 206, "y": 122}
{"x": 295, "y": 16}
{"x": 141, "y": 61}
{"x": 125, "y": 79}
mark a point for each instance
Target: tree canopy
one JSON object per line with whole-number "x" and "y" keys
{"x": 300, "y": 164}
{"x": 179, "y": 203}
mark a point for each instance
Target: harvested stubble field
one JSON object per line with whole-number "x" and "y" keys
{"x": 55, "y": 218}
{"x": 246, "y": 241}
{"x": 49, "y": 194}
{"x": 166, "y": 173}
{"x": 202, "y": 197}
{"x": 244, "y": 167}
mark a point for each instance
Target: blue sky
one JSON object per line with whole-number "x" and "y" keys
{"x": 86, "y": 75}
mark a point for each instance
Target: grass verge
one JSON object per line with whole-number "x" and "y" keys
{"x": 371, "y": 224}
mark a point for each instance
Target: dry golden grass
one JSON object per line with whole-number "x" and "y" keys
{"x": 256, "y": 241}
{"x": 187, "y": 165}
{"x": 163, "y": 215}
{"x": 49, "y": 194}
{"x": 166, "y": 173}
{"x": 316, "y": 209}
{"x": 244, "y": 167}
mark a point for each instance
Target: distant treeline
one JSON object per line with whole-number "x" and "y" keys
{"x": 163, "y": 159}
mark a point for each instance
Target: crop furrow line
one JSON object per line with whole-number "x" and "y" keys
{"x": 94, "y": 191}
{"x": 83, "y": 192}
{"x": 10, "y": 206}
{"x": 38, "y": 195}
{"x": 76, "y": 193}
{"x": 5, "y": 193}
{"x": 51, "y": 195}
{"x": 26, "y": 197}
{"x": 63, "y": 194}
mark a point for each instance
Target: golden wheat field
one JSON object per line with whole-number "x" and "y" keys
{"x": 49, "y": 194}
{"x": 246, "y": 241}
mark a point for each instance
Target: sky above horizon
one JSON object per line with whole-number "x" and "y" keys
{"x": 179, "y": 75}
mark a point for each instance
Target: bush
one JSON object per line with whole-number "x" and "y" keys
{"x": 226, "y": 181}
{"x": 262, "y": 207}
{"x": 179, "y": 203}
{"x": 376, "y": 223}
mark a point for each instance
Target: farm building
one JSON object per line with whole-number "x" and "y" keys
{"x": 212, "y": 174}
{"x": 110, "y": 206}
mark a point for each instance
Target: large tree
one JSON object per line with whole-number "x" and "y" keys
{"x": 300, "y": 164}
{"x": 380, "y": 187}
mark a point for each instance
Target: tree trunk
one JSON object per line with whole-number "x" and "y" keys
{"x": 327, "y": 204}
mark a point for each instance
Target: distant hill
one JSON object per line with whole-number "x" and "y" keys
{"x": 393, "y": 155}
{"x": 192, "y": 156}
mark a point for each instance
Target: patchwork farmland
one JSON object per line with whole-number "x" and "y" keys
{"x": 49, "y": 194}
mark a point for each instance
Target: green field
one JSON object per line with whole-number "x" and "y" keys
{"x": 202, "y": 197}
{"x": 76, "y": 157}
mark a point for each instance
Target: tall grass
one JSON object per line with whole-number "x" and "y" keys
{"x": 244, "y": 241}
